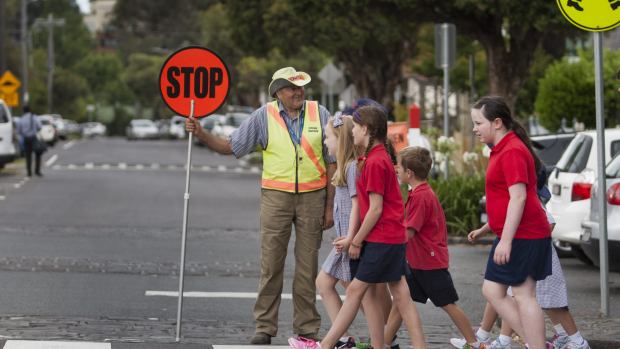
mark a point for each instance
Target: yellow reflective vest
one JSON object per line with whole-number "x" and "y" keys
{"x": 288, "y": 166}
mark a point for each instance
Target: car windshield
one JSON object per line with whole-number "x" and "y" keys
{"x": 613, "y": 169}
{"x": 236, "y": 119}
{"x": 575, "y": 158}
{"x": 45, "y": 122}
{"x": 550, "y": 150}
{"x": 143, "y": 123}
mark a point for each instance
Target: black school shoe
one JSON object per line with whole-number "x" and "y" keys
{"x": 348, "y": 344}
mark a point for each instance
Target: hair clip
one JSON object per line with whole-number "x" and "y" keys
{"x": 360, "y": 119}
{"x": 338, "y": 120}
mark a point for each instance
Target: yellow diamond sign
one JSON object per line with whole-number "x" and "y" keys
{"x": 592, "y": 15}
{"x": 9, "y": 83}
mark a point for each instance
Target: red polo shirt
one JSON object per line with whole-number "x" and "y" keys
{"x": 378, "y": 176}
{"x": 428, "y": 248}
{"x": 510, "y": 163}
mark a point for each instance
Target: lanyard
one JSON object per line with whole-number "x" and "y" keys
{"x": 301, "y": 128}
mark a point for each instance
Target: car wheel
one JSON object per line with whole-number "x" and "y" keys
{"x": 563, "y": 249}
{"x": 580, "y": 255}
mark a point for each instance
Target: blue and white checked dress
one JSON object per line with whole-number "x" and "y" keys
{"x": 551, "y": 292}
{"x": 337, "y": 265}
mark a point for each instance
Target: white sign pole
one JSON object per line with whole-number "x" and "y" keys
{"x": 602, "y": 183}
{"x": 184, "y": 236}
{"x": 446, "y": 89}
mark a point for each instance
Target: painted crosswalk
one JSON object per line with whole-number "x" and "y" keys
{"x": 157, "y": 167}
{"x": 19, "y": 344}
{"x": 195, "y": 294}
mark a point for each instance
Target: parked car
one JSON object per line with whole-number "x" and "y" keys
{"x": 590, "y": 236}
{"x": 93, "y": 129}
{"x": 73, "y": 127}
{"x": 141, "y": 129}
{"x": 163, "y": 125}
{"x": 17, "y": 139}
{"x": 48, "y": 132}
{"x": 571, "y": 183}
{"x": 177, "y": 127}
{"x": 7, "y": 139}
{"x": 61, "y": 127}
{"x": 227, "y": 124}
{"x": 550, "y": 149}
{"x": 207, "y": 124}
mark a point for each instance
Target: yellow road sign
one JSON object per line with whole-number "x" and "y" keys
{"x": 592, "y": 15}
{"x": 9, "y": 83}
{"x": 11, "y": 99}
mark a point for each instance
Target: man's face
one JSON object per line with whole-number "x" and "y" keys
{"x": 292, "y": 96}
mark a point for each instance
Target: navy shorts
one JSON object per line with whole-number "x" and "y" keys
{"x": 379, "y": 263}
{"x": 435, "y": 285}
{"x": 528, "y": 257}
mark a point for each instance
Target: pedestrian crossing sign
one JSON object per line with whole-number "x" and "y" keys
{"x": 591, "y": 15}
{"x": 10, "y": 99}
{"x": 9, "y": 83}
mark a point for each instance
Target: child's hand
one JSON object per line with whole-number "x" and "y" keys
{"x": 475, "y": 235}
{"x": 354, "y": 252}
{"x": 341, "y": 244}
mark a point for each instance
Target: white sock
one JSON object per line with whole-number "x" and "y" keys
{"x": 576, "y": 338}
{"x": 344, "y": 339}
{"x": 559, "y": 330}
{"x": 386, "y": 346}
{"x": 483, "y": 335}
{"x": 504, "y": 340}
{"x": 475, "y": 345}
{"x": 393, "y": 344}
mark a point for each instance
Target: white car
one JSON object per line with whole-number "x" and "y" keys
{"x": 142, "y": 129}
{"x": 47, "y": 133}
{"x": 177, "y": 127}
{"x": 93, "y": 129}
{"x": 7, "y": 141}
{"x": 590, "y": 226}
{"x": 570, "y": 184}
{"x": 229, "y": 123}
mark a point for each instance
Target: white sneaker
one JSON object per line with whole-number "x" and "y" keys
{"x": 560, "y": 342}
{"x": 461, "y": 342}
{"x": 497, "y": 345}
{"x": 583, "y": 345}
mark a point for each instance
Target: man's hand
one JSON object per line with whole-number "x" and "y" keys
{"x": 328, "y": 219}
{"x": 475, "y": 235}
{"x": 341, "y": 244}
{"x": 192, "y": 125}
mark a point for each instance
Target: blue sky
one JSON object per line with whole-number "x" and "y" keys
{"x": 84, "y": 5}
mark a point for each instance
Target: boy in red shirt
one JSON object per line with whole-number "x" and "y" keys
{"x": 427, "y": 248}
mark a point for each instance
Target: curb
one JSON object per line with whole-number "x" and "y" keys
{"x": 483, "y": 241}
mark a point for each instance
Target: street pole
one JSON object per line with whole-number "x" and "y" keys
{"x": 184, "y": 236}
{"x": 602, "y": 184}
{"x": 446, "y": 90}
{"x": 2, "y": 36}
{"x": 50, "y": 60}
{"x": 472, "y": 96}
{"x": 24, "y": 36}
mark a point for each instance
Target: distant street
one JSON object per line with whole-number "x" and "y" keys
{"x": 91, "y": 252}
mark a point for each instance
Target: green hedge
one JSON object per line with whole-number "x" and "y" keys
{"x": 459, "y": 198}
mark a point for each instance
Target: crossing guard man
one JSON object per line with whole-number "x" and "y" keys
{"x": 295, "y": 190}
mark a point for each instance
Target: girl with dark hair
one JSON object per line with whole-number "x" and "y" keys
{"x": 378, "y": 249}
{"x": 521, "y": 254}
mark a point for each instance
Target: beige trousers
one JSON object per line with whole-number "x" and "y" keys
{"x": 278, "y": 211}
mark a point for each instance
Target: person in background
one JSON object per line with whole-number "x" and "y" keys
{"x": 28, "y": 127}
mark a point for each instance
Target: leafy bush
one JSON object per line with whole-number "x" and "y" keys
{"x": 459, "y": 198}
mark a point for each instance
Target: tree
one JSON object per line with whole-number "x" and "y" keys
{"x": 567, "y": 91}
{"x": 372, "y": 38}
{"x": 70, "y": 93}
{"x": 510, "y": 31}
{"x": 103, "y": 73}
{"x": 141, "y": 76}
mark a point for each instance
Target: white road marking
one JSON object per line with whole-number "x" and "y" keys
{"x": 13, "y": 344}
{"x": 247, "y": 295}
{"x": 239, "y": 169}
{"x": 254, "y": 169}
{"x": 68, "y": 145}
{"x": 89, "y": 166}
{"x": 172, "y": 167}
{"x": 206, "y": 168}
{"x": 56, "y": 167}
{"x": 122, "y": 166}
{"x": 2, "y": 198}
{"x": 72, "y": 167}
{"x": 105, "y": 166}
{"x": 221, "y": 168}
{"x": 139, "y": 167}
{"x": 154, "y": 166}
{"x": 17, "y": 186}
{"x": 51, "y": 161}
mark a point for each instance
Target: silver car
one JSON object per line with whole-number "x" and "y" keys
{"x": 590, "y": 225}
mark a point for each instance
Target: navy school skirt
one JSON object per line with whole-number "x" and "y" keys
{"x": 379, "y": 263}
{"x": 528, "y": 257}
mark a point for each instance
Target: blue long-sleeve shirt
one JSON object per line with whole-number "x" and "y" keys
{"x": 29, "y": 125}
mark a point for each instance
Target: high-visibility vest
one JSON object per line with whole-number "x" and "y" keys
{"x": 288, "y": 166}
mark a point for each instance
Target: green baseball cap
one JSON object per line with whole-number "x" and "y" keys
{"x": 287, "y": 77}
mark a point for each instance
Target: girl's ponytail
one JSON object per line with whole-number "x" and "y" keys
{"x": 519, "y": 130}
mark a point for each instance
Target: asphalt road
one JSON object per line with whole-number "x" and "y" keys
{"x": 103, "y": 227}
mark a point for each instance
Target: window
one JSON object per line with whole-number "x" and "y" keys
{"x": 4, "y": 117}
{"x": 613, "y": 169}
{"x": 575, "y": 158}
{"x": 615, "y": 148}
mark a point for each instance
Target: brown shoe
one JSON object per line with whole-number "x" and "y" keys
{"x": 314, "y": 336}
{"x": 260, "y": 338}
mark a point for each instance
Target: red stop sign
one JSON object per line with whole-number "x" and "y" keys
{"x": 194, "y": 73}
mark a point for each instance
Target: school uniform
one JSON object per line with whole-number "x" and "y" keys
{"x": 427, "y": 250}
{"x": 382, "y": 258}
{"x": 511, "y": 163}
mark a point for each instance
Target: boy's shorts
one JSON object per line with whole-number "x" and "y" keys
{"x": 435, "y": 285}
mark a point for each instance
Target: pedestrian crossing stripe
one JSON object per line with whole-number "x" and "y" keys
{"x": 251, "y": 346}
{"x": 13, "y": 344}
{"x": 194, "y": 294}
